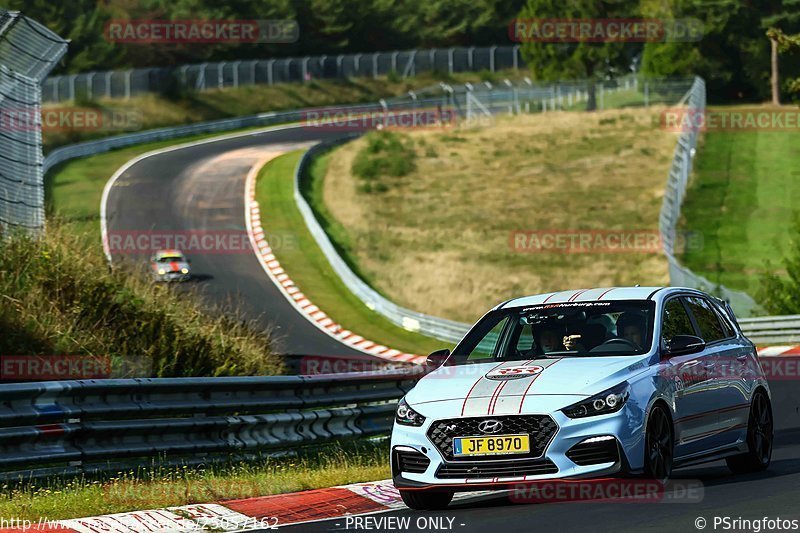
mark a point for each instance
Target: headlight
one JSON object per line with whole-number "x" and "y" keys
{"x": 406, "y": 416}
{"x": 606, "y": 402}
{"x": 161, "y": 271}
{"x": 185, "y": 270}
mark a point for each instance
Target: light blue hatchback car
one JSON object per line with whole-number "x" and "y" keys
{"x": 583, "y": 384}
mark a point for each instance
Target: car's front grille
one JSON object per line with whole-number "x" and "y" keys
{"x": 411, "y": 461}
{"x": 508, "y": 468}
{"x": 541, "y": 429}
{"x": 594, "y": 453}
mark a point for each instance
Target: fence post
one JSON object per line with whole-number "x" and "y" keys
{"x": 339, "y": 60}
{"x": 357, "y": 63}
{"x": 253, "y": 71}
{"x": 108, "y": 83}
{"x": 450, "y": 54}
{"x": 432, "y": 59}
{"x": 375, "y": 65}
{"x": 128, "y": 76}
{"x": 72, "y": 86}
{"x": 492, "y": 51}
{"x": 304, "y": 68}
{"x": 236, "y": 73}
{"x": 269, "y": 71}
{"x": 515, "y": 53}
{"x": 394, "y": 60}
{"x": 220, "y": 74}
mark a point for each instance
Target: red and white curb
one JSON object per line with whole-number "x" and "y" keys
{"x": 266, "y": 512}
{"x": 777, "y": 351}
{"x": 293, "y": 294}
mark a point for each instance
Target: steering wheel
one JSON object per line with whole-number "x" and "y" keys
{"x": 621, "y": 340}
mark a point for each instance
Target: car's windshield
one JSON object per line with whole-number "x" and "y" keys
{"x": 170, "y": 258}
{"x": 562, "y": 329}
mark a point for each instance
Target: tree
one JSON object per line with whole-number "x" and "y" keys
{"x": 591, "y": 60}
{"x": 784, "y": 44}
{"x": 780, "y": 295}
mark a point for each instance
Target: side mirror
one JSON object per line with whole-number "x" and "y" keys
{"x": 437, "y": 358}
{"x": 684, "y": 344}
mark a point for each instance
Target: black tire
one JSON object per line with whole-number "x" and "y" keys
{"x": 659, "y": 447}
{"x": 759, "y": 438}
{"x": 426, "y": 500}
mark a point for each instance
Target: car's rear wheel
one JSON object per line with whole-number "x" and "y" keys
{"x": 659, "y": 446}
{"x": 426, "y": 500}
{"x": 759, "y": 438}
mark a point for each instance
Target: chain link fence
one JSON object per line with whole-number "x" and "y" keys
{"x": 28, "y": 51}
{"x": 677, "y": 181}
{"x": 218, "y": 75}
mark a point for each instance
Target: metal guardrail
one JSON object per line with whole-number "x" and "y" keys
{"x": 772, "y": 329}
{"x": 75, "y": 427}
{"x": 207, "y": 76}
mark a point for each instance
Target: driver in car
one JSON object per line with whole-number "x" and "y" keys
{"x": 630, "y": 327}
{"x": 547, "y": 339}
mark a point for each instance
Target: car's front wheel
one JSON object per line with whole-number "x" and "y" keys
{"x": 759, "y": 438}
{"x": 659, "y": 447}
{"x": 426, "y": 500}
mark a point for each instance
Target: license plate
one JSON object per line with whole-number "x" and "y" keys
{"x": 495, "y": 445}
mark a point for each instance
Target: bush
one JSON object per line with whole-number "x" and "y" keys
{"x": 387, "y": 154}
{"x": 780, "y": 295}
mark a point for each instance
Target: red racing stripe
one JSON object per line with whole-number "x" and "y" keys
{"x": 522, "y": 400}
{"x": 578, "y": 293}
{"x": 464, "y": 405}
{"x": 609, "y": 290}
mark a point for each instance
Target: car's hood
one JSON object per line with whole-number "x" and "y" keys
{"x": 492, "y": 388}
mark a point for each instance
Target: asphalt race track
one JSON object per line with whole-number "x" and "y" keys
{"x": 201, "y": 188}
{"x": 771, "y": 494}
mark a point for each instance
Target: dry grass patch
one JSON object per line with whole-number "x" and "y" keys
{"x": 438, "y": 238}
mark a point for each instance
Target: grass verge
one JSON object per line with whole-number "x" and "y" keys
{"x": 439, "y": 238}
{"x": 162, "y": 487}
{"x": 310, "y": 270}
{"x": 59, "y": 297}
{"x": 743, "y": 195}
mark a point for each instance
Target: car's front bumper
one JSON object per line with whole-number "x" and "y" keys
{"x": 626, "y": 436}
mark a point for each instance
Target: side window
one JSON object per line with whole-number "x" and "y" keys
{"x": 489, "y": 347}
{"x": 525, "y": 340}
{"x": 676, "y": 321}
{"x": 710, "y": 328}
{"x": 724, "y": 319}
